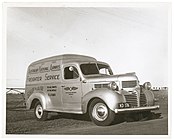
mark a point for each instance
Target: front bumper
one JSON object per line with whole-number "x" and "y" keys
{"x": 137, "y": 109}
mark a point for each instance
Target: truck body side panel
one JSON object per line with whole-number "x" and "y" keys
{"x": 45, "y": 78}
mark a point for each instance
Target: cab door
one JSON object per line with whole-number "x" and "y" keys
{"x": 71, "y": 89}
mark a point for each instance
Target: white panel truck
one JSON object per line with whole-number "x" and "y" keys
{"x": 80, "y": 84}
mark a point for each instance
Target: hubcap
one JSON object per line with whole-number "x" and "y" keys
{"x": 100, "y": 112}
{"x": 39, "y": 111}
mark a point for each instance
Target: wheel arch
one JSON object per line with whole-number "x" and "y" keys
{"x": 41, "y": 97}
{"x": 89, "y": 102}
{"x": 109, "y": 97}
{"x": 33, "y": 103}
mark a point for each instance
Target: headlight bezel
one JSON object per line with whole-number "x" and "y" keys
{"x": 113, "y": 85}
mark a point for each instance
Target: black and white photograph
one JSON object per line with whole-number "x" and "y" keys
{"x": 87, "y": 68}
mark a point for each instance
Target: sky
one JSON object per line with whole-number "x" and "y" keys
{"x": 129, "y": 39}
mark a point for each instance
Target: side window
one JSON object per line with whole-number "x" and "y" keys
{"x": 70, "y": 72}
{"x": 104, "y": 71}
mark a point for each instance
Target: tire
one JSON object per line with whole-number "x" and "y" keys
{"x": 100, "y": 114}
{"x": 39, "y": 113}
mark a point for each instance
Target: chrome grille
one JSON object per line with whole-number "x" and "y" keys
{"x": 143, "y": 101}
{"x": 129, "y": 84}
{"x": 132, "y": 99}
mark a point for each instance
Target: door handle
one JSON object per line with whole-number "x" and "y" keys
{"x": 63, "y": 86}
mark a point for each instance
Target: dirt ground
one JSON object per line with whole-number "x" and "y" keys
{"x": 21, "y": 121}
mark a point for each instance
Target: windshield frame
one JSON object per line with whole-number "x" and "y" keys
{"x": 97, "y": 63}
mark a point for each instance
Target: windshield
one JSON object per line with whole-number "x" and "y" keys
{"x": 93, "y": 68}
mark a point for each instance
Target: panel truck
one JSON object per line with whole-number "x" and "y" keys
{"x": 80, "y": 84}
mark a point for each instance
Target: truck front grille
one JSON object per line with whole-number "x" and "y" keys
{"x": 129, "y": 84}
{"x": 132, "y": 99}
{"x": 143, "y": 101}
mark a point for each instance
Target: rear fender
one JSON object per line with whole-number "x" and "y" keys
{"x": 110, "y": 97}
{"x": 42, "y": 97}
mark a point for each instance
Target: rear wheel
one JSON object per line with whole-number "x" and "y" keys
{"x": 100, "y": 114}
{"x": 39, "y": 113}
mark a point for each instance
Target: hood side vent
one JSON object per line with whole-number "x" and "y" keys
{"x": 101, "y": 85}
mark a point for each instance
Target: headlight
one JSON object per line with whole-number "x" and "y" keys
{"x": 113, "y": 86}
{"x": 147, "y": 85}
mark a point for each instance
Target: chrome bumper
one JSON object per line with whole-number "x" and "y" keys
{"x": 137, "y": 109}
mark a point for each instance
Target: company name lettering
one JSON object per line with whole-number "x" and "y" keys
{"x": 47, "y": 77}
{"x": 51, "y": 77}
{"x": 55, "y": 67}
{"x": 32, "y": 79}
{"x": 45, "y": 69}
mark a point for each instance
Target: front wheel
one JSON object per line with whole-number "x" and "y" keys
{"x": 39, "y": 113}
{"x": 100, "y": 114}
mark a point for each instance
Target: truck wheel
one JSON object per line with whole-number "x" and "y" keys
{"x": 39, "y": 113}
{"x": 100, "y": 114}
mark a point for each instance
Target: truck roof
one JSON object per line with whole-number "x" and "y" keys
{"x": 66, "y": 58}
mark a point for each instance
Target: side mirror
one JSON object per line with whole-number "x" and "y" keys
{"x": 71, "y": 68}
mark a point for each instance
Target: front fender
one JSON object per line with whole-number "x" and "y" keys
{"x": 42, "y": 97}
{"x": 110, "y": 97}
{"x": 149, "y": 96}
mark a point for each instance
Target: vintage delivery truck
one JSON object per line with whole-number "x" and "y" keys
{"x": 80, "y": 84}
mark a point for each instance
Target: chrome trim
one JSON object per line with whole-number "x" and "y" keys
{"x": 124, "y": 110}
{"x": 100, "y": 112}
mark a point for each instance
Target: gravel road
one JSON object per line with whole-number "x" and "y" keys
{"x": 20, "y": 121}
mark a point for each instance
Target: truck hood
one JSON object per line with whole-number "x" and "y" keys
{"x": 109, "y": 78}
